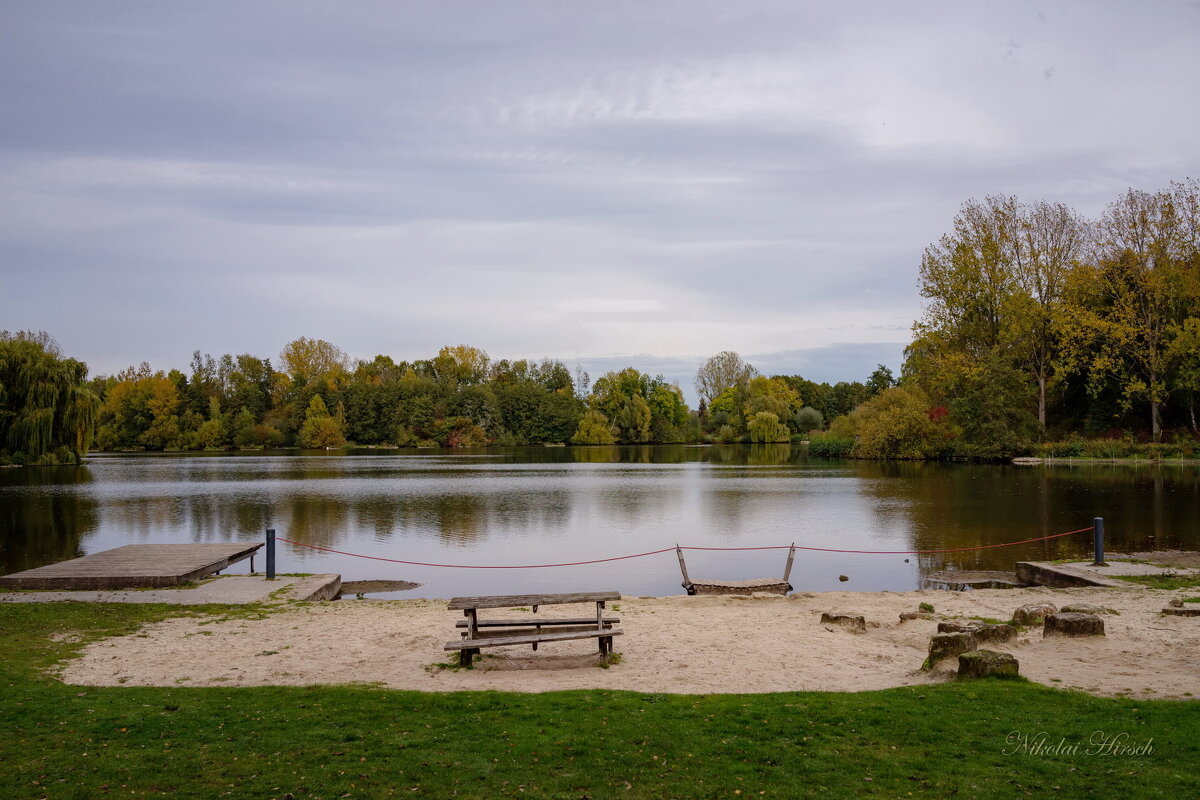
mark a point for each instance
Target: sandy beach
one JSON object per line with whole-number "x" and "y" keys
{"x": 670, "y": 644}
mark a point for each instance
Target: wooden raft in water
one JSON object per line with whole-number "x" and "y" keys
{"x": 749, "y": 586}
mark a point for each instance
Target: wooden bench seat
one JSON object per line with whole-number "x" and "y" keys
{"x": 534, "y": 621}
{"x": 518, "y": 600}
{"x": 532, "y": 638}
{"x": 480, "y": 633}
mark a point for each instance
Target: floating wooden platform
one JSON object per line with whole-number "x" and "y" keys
{"x": 771, "y": 585}
{"x": 134, "y": 566}
{"x": 750, "y": 586}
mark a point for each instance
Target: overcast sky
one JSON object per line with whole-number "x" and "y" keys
{"x": 607, "y": 183}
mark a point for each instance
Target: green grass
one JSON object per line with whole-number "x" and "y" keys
{"x": 1165, "y": 580}
{"x": 948, "y": 740}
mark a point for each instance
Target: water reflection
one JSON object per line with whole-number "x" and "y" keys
{"x": 41, "y": 519}
{"x": 534, "y": 505}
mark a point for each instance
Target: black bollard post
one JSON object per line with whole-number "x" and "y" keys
{"x": 1098, "y": 537}
{"x": 270, "y": 554}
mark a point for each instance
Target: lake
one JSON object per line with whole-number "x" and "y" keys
{"x": 503, "y": 506}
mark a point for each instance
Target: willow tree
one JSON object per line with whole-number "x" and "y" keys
{"x": 47, "y": 414}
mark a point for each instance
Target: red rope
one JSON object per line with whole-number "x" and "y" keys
{"x": 474, "y": 566}
{"x": 669, "y": 549}
{"x": 900, "y": 552}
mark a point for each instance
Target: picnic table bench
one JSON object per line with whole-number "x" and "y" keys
{"x": 500, "y": 632}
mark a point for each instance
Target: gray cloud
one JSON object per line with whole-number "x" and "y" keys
{"x": 584, "y": 182}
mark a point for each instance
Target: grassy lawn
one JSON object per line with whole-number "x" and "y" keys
{"x": 949, "y": 740}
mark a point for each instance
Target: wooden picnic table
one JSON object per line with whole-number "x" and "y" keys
{"x": 500, "y": 632}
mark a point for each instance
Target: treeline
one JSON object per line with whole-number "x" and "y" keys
{"x": 460, "y": 398}
{"x": 318, "y": 398}
{"x": 1040, "y": 325}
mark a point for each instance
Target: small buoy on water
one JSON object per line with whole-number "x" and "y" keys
{"x": 843, "y": 578}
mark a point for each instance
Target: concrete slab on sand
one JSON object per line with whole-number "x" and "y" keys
{"x": 237, "y": 589}
{"x": 1084, "y": 573}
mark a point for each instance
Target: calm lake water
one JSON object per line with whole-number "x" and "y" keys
{"x": 538, "y": 505}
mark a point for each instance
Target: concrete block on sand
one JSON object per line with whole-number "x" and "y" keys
{"x": 1073, "y": 623}
{"x": 986, "y": 663}
{"x": 1033, "y": 613}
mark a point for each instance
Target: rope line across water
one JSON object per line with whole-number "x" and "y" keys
{"x": 669, "y": 549}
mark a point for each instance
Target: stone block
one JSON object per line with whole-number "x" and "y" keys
{"x": 986, "y": 663}
{"x": 1073, "y": 623}
{"x": 1033, "y": 613}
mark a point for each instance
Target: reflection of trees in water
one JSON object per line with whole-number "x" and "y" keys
{"x": 456, "y": 518}
{"x": 964, "y": 505}
{"x": 330, "y": 519}
{"x": 143, "y": 515}
{"x": 44, "y": 522}
{"x": 729, "y": 507}
{"x": 596, "y": 455}
{"x": 313, "y": 519}
{"x": 207, "y": 517}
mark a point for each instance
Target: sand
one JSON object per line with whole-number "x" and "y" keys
{"x": 670, "y": 644}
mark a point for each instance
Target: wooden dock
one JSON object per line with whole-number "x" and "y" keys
{"x": 134, "y": 566}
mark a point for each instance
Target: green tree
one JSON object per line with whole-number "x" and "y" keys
{"x": 593, "y": 429}
{"x": 1185, "y": 354}
{"x": 47, "y": 411}
{"x": 1125, "y": 308}
{"x": 808, "y": 419}
{"x": 320, "y": 429}
{"x": 633, "y": 420}
{"x": 212, "y": 432}
{"x": 764, "y": 426}
{"x": 880, "y": 380}
{"x": 641, "y": 408}
{"x": 896, "y": 424}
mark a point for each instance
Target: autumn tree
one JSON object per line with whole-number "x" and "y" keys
{"x": 1051, "y": 241}
{"x": 1126, "y": 307}
{"x": 306, "y": 359}
{"x": 974, "y": 324}
{"x": 720, "y": 372}
{"x": 461, "y": 364}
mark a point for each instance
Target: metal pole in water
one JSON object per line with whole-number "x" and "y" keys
{"x": 1098, "y": 537}
{"x": 270, "y": 554}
